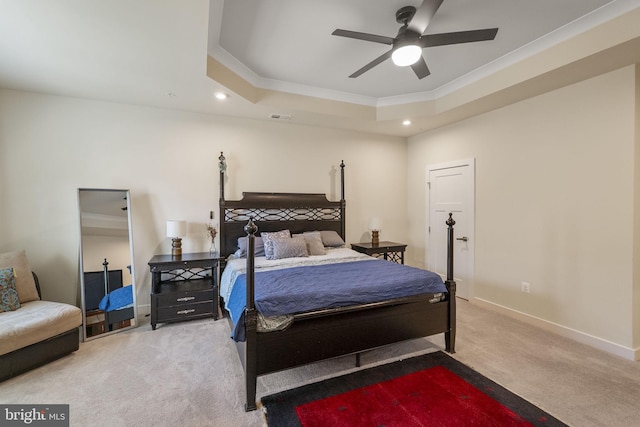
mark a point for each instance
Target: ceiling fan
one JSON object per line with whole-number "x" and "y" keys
{"x": 407, "y": 45}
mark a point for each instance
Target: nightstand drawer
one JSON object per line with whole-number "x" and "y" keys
{"x": 185, "y": 311}
{"x": 183, "y": 297}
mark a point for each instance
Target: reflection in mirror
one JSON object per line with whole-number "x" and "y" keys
{"x": 106, "y": 262}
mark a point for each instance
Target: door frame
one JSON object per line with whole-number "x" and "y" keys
{"x": 471, "y": 162}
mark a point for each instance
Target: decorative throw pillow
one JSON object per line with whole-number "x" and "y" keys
{"x": 315, "y": 246}
{"x": 269, "y": 237}
{"x": 25, "y": 285}
{"x": 331, "y": 239}
{"x": 9, "y": 300}
{"x": 289, "y": 248}
{"x": 243, "y": 242}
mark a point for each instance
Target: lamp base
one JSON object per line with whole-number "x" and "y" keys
{"x": 176, "y": 247}
{"x": 375, "y": 241}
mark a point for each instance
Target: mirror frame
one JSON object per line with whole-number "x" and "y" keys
{"x": 134, "y": 322}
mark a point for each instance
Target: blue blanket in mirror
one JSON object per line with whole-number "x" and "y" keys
{"x": 117, "y": 299}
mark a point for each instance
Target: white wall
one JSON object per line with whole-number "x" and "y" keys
{"x": 554, "y": 203}
{"x": 50, "y": 146}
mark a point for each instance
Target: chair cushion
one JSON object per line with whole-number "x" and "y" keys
{"x": 36, "y": 321}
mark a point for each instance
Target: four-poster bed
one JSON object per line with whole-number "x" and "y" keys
{"x": 320, "y": 333}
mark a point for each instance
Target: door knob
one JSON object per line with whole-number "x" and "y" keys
{"x": 463, "y": 238}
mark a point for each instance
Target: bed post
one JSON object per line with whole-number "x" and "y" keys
{"x": 251, "y": 230}
{"x": 251, "y": 320}
{"x": 222, "y": 165}
{"x": 343, "y": 203}
{"x": 222, "y": 228}
{"x": 450, "y": 335}
{"x": 105, "y": 277}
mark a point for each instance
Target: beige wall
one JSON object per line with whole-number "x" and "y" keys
{"x": 554, "y": 204}
{"x": 50, "y": 146}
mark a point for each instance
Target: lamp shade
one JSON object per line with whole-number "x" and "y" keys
{"x": 406, "y": 55}
{"x": 176, "y": 228}
{"x": 375, "y": 223}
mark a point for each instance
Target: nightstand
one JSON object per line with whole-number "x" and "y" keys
{"x": 184, "y": 287}
{"x": 390, "y": 251}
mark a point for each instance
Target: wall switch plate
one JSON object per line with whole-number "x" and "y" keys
{"x": 525, "y": 287}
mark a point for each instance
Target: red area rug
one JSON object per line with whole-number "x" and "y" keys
{"x": 429, "y": 390}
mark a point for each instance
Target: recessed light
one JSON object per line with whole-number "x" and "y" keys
{"x": 406, "y": 122}
{"x": 221, "y": 95}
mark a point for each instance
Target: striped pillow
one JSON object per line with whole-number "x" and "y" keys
{"x": 289, "y": 248}
{"x": 268, "y": 239}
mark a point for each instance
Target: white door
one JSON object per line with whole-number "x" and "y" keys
{"x": 451, "y": 189}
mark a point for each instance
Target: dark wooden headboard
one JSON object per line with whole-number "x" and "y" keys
{"x": 297, "y": 212}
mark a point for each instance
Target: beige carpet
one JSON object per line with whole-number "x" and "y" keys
{"x": 181, "y": 374}
{"x": 188, "y": 374}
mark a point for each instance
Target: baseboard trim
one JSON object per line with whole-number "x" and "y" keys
{"x": 144, "y": 310}
{"x": 581, "y": 337}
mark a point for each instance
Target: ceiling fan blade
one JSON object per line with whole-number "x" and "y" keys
{"x": 372, "y": 64}
{"x": 364, "y": 36}
{"x": 443, "y": 39}
{"x": 423, "y": 15}
{"x": 420, "y": 68}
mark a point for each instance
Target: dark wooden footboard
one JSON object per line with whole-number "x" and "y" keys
{"x": 322, "y": 337}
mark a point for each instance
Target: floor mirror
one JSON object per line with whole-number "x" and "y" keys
{"x": 107, "y": 275}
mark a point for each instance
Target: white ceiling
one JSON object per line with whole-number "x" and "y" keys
{"x": 278, "y": 56}
{"x": 290, "y": 42}
{"x": 103, "y": 212}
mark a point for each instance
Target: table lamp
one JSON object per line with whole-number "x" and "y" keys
{"x": 375, "y": 224}
{"x": 175, "y": 230}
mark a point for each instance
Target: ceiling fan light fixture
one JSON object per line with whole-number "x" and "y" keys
{"x": 406, "y": 55}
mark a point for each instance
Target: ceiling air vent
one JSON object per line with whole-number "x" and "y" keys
{"x": 280, "y": 116}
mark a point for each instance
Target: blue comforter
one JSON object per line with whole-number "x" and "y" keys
{"x": 117, "y": 299}
{"x": 301, "y": 289}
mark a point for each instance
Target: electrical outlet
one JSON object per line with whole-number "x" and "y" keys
{"x": 525, "y": 287}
